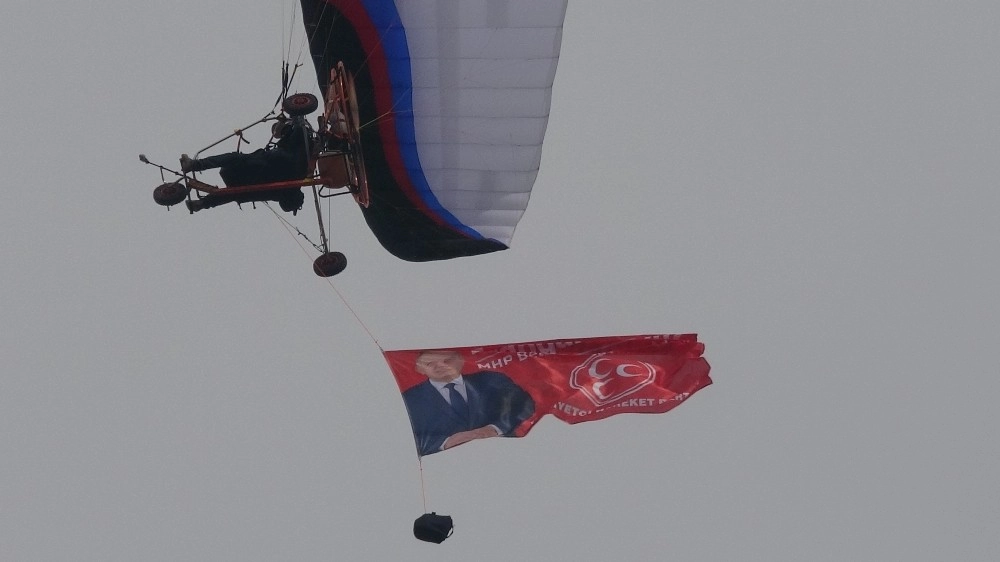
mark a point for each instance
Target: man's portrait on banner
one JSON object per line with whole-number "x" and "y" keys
{"x": 450, "y": 407}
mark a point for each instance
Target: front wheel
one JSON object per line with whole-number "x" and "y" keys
{"x": 300, "y": 104}
{"x": 329, "y": 264}
{"x": 168, "y": 194}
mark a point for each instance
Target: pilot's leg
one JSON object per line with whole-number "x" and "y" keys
{"x": 209, "y": 162}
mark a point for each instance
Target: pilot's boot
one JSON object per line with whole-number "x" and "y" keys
{"x": 292, "y": 202}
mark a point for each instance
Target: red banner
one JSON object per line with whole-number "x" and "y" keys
{"x": 455, "y": 395}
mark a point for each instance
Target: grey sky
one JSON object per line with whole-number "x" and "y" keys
{"x": 810, "y": 186}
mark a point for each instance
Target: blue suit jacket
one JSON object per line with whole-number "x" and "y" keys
{"x": 493, "y": 399}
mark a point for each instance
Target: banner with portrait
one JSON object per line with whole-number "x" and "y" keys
{"x": 455, "y": 395}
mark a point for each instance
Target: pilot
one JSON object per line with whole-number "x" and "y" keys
{"x": 286, "y": 159}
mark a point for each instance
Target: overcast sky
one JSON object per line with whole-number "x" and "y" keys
{"x": 809, "y": 186}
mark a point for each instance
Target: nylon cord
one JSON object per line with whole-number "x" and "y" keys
{"x": 423, "y": 490}
{"x": 305, "y": 252}
{"x": 308, "y": 40}
{"x": 343, "y": 300}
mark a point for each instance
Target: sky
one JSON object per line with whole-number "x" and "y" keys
{"x": 809, "y": 186}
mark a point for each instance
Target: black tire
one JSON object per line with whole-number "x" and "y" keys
{"x": 300, "y": 104}
{"x": 329, "y": 264}
{"x": 169, "y": 194}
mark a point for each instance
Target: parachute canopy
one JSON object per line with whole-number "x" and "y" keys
{"x": 453, "y": 98}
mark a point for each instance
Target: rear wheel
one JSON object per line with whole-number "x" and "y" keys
{"x": 168, "y": 194}
{"x": 329, "y": 264}
{"x": 300, "y": 104}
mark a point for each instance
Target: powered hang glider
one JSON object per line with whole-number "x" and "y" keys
{"x": 433, "y": 118}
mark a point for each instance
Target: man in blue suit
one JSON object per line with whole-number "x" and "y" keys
{"x": 449, "y": 408}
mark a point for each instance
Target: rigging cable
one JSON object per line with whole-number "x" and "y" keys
{"x": 288, "y": 228}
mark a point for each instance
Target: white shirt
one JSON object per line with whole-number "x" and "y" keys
{"x": 443, "y": 388}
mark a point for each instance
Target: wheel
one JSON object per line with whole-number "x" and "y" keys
{"x": 168, "y": 194}
{"x": 329, "y": 264}
{"x": 300, "y": 104}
